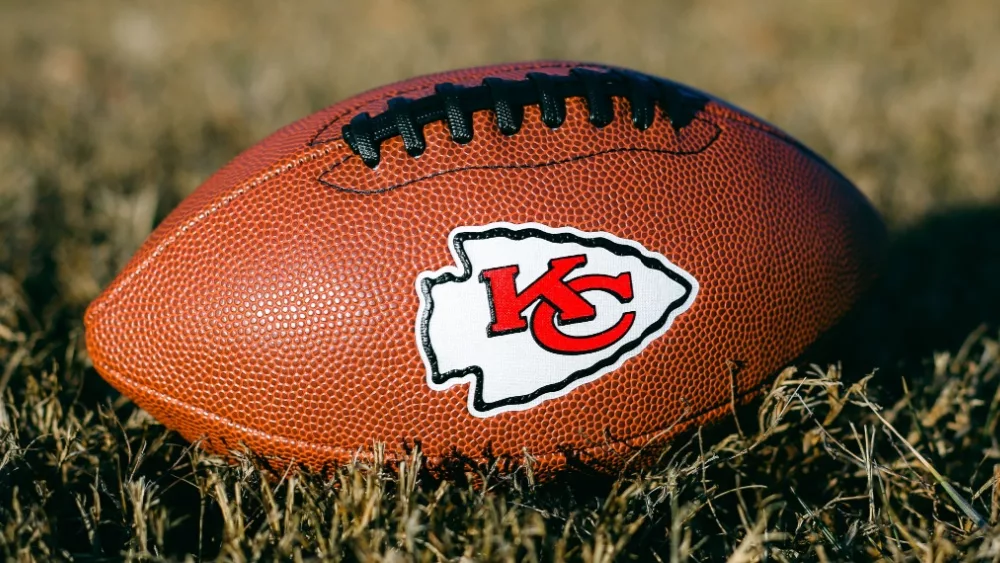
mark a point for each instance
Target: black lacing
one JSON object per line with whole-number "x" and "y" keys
{"x": 507, "y": 99}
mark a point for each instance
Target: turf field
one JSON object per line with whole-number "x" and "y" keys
{"x": 882, "y": 444}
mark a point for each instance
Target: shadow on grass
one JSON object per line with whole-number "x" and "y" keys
{"x": 940, "y": 282}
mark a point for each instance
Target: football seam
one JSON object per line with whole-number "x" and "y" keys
{"x": 560, "y": 452}
{"x": 517, "y": 166}
{"x": 221, "y": 201}
{"x": 776, "y": 133}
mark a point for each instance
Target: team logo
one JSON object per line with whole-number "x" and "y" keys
{"x": 532, "y": 312}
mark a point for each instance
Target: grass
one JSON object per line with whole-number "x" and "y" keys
{"x": 881, "y": 444}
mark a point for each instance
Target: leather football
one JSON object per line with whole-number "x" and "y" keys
{"x": 549, "y": 263}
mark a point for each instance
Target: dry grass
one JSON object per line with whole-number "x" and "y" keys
{"x": 111, "y": 112}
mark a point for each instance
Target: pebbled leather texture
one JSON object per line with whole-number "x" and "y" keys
{"x": 276, "y": 305}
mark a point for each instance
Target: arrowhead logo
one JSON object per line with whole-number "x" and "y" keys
{"x": 533, "y": 312}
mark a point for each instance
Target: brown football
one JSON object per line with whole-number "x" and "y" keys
{"x": 553, "y": 261}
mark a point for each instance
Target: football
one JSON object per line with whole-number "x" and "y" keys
{"x": 552, "y": 263}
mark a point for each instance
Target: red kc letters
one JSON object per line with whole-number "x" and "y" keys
{"x": 558, "y": 296}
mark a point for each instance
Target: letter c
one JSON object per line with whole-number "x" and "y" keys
{"x": 543, "y": 320}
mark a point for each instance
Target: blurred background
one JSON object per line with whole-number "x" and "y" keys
{"x": 112, "y": 111}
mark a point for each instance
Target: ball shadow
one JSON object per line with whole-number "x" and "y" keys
{"x": 940, "y": 282}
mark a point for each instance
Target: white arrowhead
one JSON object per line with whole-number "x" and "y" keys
{"x": 513, "y": 371}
